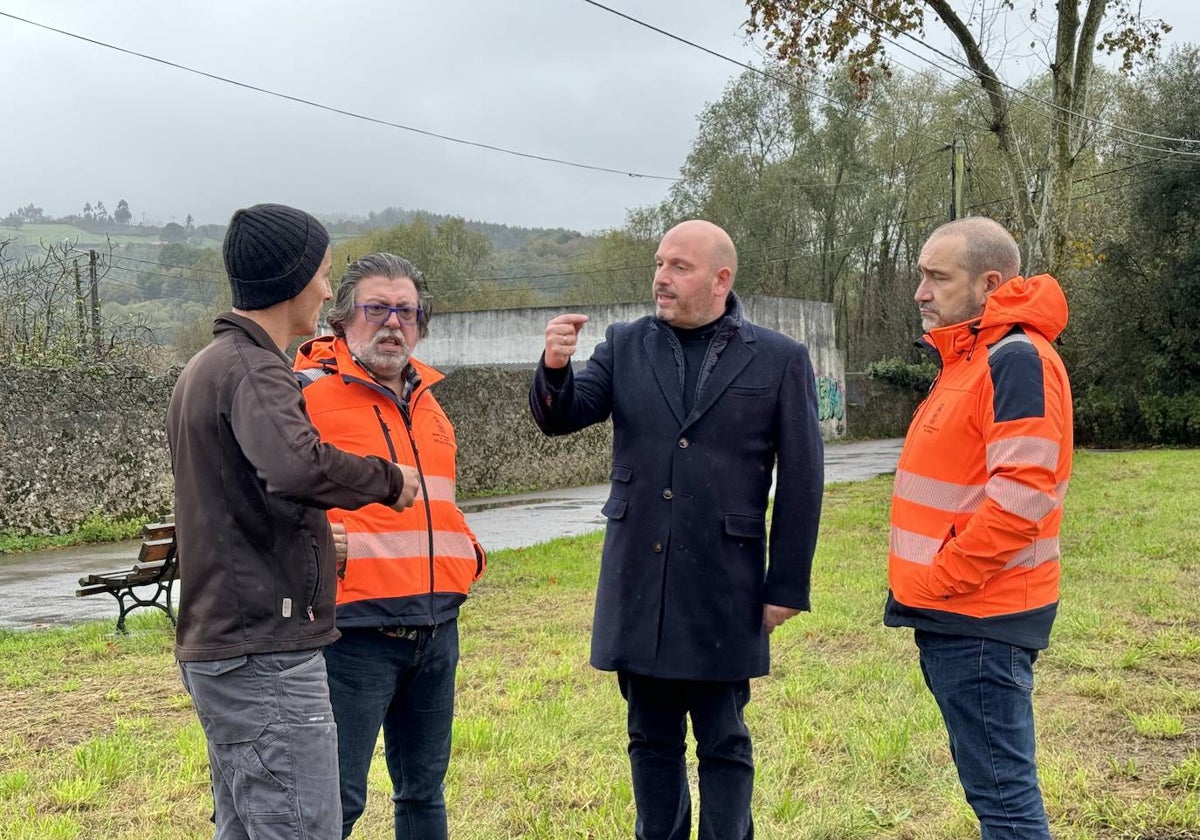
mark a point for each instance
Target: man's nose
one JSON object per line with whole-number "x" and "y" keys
{"x": 392, "y": 313}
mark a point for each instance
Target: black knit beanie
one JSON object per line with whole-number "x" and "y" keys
{"x": 272, "y": 253}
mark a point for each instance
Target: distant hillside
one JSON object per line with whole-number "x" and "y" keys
{"x": 163, "y": 284}
{"x": 38, "y": 228}
{"x": 503, "y": 237}
{"x": 29, "y": 236}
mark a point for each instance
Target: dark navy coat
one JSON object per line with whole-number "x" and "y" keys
{"x": 684, "y": 574}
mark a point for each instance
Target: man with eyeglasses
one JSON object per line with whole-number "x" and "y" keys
{"x": 404, "y": 575}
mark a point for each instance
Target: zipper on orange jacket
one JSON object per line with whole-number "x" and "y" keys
{"x": 412, "y": 441}
{"x": 387, "y": 437}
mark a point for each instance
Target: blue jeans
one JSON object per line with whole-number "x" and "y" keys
{"x": 985, "y": 691}
{"x": 271, "y": 742}
{"x": 404, "y": 685}
{"x": 658, "y": 713}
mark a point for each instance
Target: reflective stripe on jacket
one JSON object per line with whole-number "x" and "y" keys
{"x": 978, "y": 495}
{"x": 403, "y": 568}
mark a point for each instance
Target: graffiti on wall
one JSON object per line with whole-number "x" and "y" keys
{"x": 831, "y": 401}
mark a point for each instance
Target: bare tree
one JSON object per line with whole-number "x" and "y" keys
{"x": 811, "y": 33}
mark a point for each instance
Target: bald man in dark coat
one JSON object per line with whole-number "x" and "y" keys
{"x": 706, "y": 408}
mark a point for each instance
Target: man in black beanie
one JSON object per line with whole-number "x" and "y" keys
{"x": 256, "y": 556}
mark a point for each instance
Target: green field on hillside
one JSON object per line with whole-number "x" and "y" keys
{"x": 54, "y": 234}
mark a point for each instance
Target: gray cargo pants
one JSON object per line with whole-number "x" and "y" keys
{"x": 272, "y": 745}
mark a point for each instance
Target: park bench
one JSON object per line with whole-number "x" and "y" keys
{"x": 156, "y": 565}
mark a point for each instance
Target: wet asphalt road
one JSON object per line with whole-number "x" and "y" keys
{"x": 38, "y": 589}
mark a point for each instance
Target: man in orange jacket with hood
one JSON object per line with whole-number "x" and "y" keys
{"x": 973, "y": 562}
{"x": 405, "y": 575}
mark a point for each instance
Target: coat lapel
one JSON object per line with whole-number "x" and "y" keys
{"x": 736, "y": 355}
{"x": 666, "y": 370}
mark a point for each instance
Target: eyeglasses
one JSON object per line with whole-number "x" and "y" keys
{"x": 378, "y": 313}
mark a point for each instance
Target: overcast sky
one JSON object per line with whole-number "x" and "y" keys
{"x": 556, "y": 78}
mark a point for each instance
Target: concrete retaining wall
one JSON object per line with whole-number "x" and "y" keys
{"x": 516, "y": 337}
{"x": 880, "y": 410}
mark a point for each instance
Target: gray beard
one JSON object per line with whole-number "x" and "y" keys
{"x": 383, "y": 365}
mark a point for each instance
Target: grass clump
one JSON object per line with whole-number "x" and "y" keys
{"x": 97, "y": 528}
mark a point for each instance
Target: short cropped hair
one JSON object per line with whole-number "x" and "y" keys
{"x": 988, "y": 246}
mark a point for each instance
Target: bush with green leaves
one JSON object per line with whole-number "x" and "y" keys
{"x": 907, "y": 375}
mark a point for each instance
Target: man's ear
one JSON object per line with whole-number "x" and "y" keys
{"x": 992, "y": 281}
{"x": 724, "y": 281}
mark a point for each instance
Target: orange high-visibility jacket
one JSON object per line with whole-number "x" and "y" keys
{"x": 413, "y": 567}
{"x": 979, "y": 488}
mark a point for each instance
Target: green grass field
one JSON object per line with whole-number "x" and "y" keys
{"x": 53, "y": 234}
{"x": 100, "y": 741}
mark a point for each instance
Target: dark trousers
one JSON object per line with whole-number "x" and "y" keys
{"x": 406, "y": 687}
{"x": 984, "y": 689}
{"x": 658, "y": 713}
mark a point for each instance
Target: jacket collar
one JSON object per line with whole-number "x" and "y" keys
{"x": 228, "y": 322}
{"x": 333, "y": 354}
{"x": 1036, "y": 304}
{"x": 730, "y": 352}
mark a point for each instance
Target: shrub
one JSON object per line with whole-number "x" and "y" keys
{"x": 905, "y": 375}
{"x": 1172, "y": 419}
{"x": 1104, "y": 417}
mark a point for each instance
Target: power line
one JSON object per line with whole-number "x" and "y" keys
{"x": 158, "y": 296}
{"x": 142, "y": 272}
{"x": 170, "y": 265}
{"x": 768, "y": 76}
{"x": 469, "y": 283}
{"x": 334, "y": 110}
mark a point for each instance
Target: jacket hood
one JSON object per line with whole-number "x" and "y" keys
{"x": 1036, "y": 304}
{"x": 327, "y": 352}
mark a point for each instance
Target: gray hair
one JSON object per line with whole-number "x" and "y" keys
{"x": 987, "y": 246}
{"x": 377, "y": 265}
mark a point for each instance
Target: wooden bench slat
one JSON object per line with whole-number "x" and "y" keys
{"x": 158, "y": 530}
{"x": 90, "y": 590}
{"x": 138, "y": 570}
{"x": 157, "y": 549}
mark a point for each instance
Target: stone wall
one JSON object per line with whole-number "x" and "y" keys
{"x": 82, "y": 441}
{"x": 74, "y": 442}
{"x": 78, "y": 442}
{"x": 500, "y": 450}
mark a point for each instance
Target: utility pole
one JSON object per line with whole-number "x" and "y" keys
{"x": 80, "y": 317}
{"x": 93, "y": 257}
{"x": 957, "y": 173}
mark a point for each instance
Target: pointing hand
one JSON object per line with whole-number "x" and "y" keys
{"x": 562, "y": 334}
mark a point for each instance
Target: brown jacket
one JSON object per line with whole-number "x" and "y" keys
{"x": 252, "y": 480}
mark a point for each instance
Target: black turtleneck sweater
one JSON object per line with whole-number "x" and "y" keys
{"x": 695, "y": 342}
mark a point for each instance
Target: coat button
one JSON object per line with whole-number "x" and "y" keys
{"x": 658, "y": 548}
{"x": 667, "y": 494}
{"x": 683, "y": 443}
